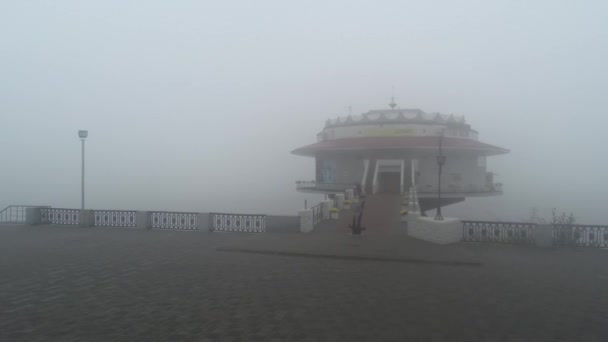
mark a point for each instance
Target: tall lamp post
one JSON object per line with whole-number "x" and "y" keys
{"x": 440, "y": 161}
{"x": 82, "y": 134}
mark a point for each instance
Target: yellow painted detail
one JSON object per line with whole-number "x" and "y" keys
{"x": 389, "y": 132}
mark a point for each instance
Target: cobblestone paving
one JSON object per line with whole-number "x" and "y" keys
{"x": 68, "y": 284}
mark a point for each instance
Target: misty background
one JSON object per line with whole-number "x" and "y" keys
{"x": 194, "y": 105}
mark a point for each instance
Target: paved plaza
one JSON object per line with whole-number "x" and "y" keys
{"x": 98, "y": 284}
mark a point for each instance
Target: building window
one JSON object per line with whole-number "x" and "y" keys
{"x": 328, "y": 172}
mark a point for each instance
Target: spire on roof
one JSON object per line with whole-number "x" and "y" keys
{"x": 393, "y": 104}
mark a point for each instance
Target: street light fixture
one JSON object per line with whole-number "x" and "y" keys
{"x": 440, "y": 161}
{"x": 82, "y": 134}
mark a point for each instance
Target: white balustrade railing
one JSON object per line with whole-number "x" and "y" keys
{"x": 460, "y": 188}
{"x": 305, "y": 184}
{"x": 226, "y": 222}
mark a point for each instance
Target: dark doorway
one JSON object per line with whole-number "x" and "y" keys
{"x": 389, "y": 183}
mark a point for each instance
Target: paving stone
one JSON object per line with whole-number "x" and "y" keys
{"x": 73, "y": 284}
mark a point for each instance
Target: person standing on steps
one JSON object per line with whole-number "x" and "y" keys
{"x": 356, "y": 227}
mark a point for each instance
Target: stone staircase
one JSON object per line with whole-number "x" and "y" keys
{"x": 381, "y": 214}
{"x": 336, "y": 226}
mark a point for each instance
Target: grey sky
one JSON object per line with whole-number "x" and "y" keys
{"x": 195, "y": 105}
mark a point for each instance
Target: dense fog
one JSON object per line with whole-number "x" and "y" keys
{"x": 194, "y": 105}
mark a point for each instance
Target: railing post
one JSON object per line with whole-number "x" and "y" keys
{"x": 339, "y": 201}
{"x": 142, "y": 220}
{"x": 204, "y": 222}
{"x": 87, "y": 218}
{"x": 32, "y": 216}
{"x": 210, "y": 220}
{"x": 306, "y": 220}
{"x": 543, "y": 235}
{"x": 325, "y": 207}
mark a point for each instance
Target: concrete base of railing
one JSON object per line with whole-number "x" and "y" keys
{"x": 325, "y": 207}
{"x": 448, "y": 230}
{"x": 306, "y": 223}
{"x": 411, "y": 218}
{"x": 32, "y": 216}
{"x": 282, "y": 224}
{"x": 401, "y": 228}
{"x": 87, "y": 218}
{"x": 543, "y": 235}
{"x": 203, "y": 222}
{"x": 142, "y": 220}
{"x": 339, "y": 201}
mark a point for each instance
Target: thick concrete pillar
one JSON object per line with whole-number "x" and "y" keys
{"x": 441, "y": 232}
{"x": 87, "y": 218}
{"x": 32, "y": 216}
{"x": 339, "y": 201}
{"x": 142, "y": 220}
{"x": 411, "y": 218}
{"x": 543, "y": 235}
{"x": 306, "y": 224}
{"x": 325, "y": 206}
{"x": 400, "y": 229}
{"x": 203, "y": 222}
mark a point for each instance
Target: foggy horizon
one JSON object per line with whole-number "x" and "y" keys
{"x": 197, "y": 106}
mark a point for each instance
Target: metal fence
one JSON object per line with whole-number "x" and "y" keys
{"x": 114, "y": 218}
{"x": 498, "y": 232}
{"x": 317, "y": 214}
{"x": 580, "y": 235}
{"x": 16, "y": 213}
{"x": 59, "y": 216}
{"x": 237, "y": 223}
{"x": 173, "y": 220}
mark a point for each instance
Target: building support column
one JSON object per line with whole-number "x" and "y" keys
{"x": 402, "y": 176}
{"x": 414, "y": 164}
{"x": 375, "y": 182}
{"x": 365, "y": 172}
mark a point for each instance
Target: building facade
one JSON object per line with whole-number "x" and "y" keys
{"x": 388, "y": 151}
